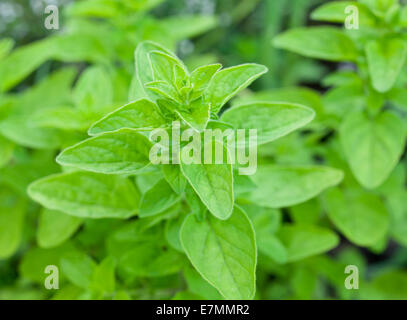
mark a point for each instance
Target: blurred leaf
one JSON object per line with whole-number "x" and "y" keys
{"x": 386, "y": 60}
{"x": 55, "y": 227}
{"x": 362, "y": 217}
{"x": 372, "y": 146}
{"x": 326, "y": 43}
{"x": 280, "y": 186}
{"x": 303, "y": 241}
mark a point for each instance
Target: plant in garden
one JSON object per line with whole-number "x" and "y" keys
{"x": 372, "y": 127}
{"x": 81, "y": 129}
{"x": 203, "y": 206}
{"x": 362, "y": 118}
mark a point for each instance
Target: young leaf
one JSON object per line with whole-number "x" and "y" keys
{"x": 327, "y": 43}
{"x": 144, "y": 71}
{"x": 201, "y": 77}
{"x": 213, "y": 183}
{"x": 372, "y": 146}
{"x": 159, "y": 198}
{"x": 87, "y": 195}
{"x": 197, "y": 116}
{"x": 223, "y": 252}
{"x": 124, "y": 151}
{"x": 284, "y": 186}
{"x": 141, "y": 114}
{"x": 55, "y": 227}
{"x": 385, "y": 59}
{"x": 361, "y": 217}
{"x": 228, "y": 82}
{"x": 163, "y": 67}
{"x": 164, "y": 89}
{"x": 303, "y": 241}
{"x": 271, "y": 120}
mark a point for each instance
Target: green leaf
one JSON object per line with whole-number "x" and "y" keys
{"x": 197, "y": 116}
{"x": 361, "y": 217}
{"x": 164, "y": 89}
{"x": 21, "y": 62}
{"x": 398, "y": 96}
{"x": 285, "y": 186}
{"x": 200, "y": 286}
{"x": 175, "y": 178}
{"x": 164, "y": 67}
{"x": 103, "y": 277}
{"x": 172, "y": 232}
{"x": 228, "y": 82}
{"x": 6, "y": 151}
{"x": 87, "y": 195}
{"x": 385, "y": 59}
{"x": 78, "y": 268}
{"x": 12, "y": 212}
{"x": 380, "y": 7}
{"x": 336, "y": 12}
{"x": 33, "y": 264}
{"x": 271, "y": 120}
{"x": 303, "y": 241}
{"x": 372, "y": 147}
{"x": 124, "y": 151}
{"x": 214, "y": 185}
{"x": 272, "y": 247}
{"x": 53, "y": 91}
{"x": 291, "y": 95}
{"x": 157, "y": 199}
{"x": 201, "y": 77}
{"x": 65, "y": 118}
{"x": 141, "y": 114}
{"x": 144, "y": 72}
{"x": 327, "y": 43}
{"x": 94, "y": 90}
{"x": 55, "y": 227}
{"x": 194, "y": 202}
{"x": 6, "y": 45}
{"x": 149, "y": 260}
{"x": 223, "y": 252}
{"x": 188, "y": 26}
{"x": 391, "y": 285}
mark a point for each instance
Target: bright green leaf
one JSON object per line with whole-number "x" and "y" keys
{"x": 87, "y": 195}
{"x": 223, "y": 252}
